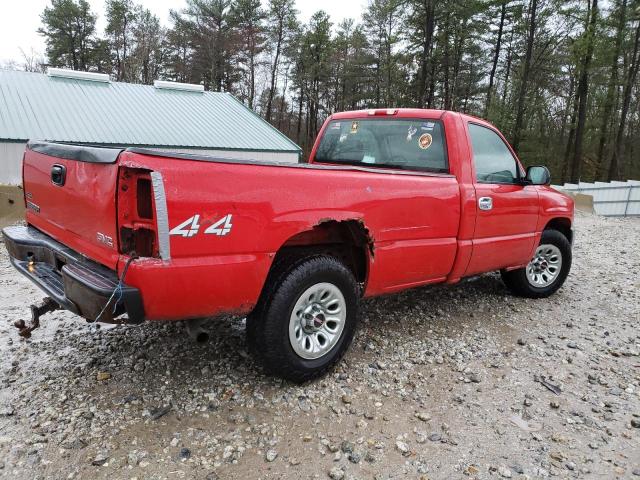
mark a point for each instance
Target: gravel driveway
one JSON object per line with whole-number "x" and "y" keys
{"x": 442, "y": 382}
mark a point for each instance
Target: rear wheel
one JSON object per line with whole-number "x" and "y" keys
{"x": 306, "y": 319}
{"x": 547, "y": 270}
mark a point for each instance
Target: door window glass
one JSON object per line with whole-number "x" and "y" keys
{"x": 491, "y": 157}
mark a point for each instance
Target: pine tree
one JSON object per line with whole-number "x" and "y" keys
{"x": 121, "y": 16}
{"x": 282, "y": 24}
{"x": 69, "y": 27}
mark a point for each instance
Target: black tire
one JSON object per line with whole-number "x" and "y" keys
{"x": 518, "y": 282}
{"x": 268, "y": 324}
{"x": 281, "y": 266}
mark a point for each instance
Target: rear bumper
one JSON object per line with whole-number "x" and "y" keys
{"x": 76, "y": 283}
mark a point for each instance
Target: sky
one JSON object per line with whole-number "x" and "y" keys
{"x": 20, "y": 19}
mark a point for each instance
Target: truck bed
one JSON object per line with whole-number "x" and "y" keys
{"x": 244, "y": 213}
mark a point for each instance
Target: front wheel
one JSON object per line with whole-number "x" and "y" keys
{"x": 547, "y": 270}
{"x": 306, "y": 319}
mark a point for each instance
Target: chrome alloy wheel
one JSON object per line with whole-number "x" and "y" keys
{"x": 545, "y": 266}
{"x": 317, "y": 320}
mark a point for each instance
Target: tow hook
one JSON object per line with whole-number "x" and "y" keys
{"x": 47, "y": 305}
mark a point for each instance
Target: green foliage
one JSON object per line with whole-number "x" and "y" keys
{"x": 563, "y": 86}
{"x": 68, "y": 27}
{"x": 208, "y": 28}
{"x": 121, "y": 16}
{"x": 247, "y": 18}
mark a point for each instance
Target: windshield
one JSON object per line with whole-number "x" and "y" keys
{"x": 410, "y": 144}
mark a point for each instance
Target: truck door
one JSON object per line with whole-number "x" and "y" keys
{"x": 507, "y": 211}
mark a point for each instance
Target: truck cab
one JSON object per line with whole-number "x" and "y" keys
{"x": 503, "y": 207}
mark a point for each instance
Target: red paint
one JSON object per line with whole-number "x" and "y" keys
{"x": 74, "y": 213}
{"x": 426, "y": 228}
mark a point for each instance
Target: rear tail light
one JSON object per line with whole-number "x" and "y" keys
{"x": 136, "y": 219}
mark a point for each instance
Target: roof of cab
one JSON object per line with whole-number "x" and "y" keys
{"x": 426, "y": 113}
{"x": 397, "y": 112}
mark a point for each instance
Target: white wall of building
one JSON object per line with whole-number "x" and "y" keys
{"x": 614, "y": 199}
{"x": 11, "y": 162}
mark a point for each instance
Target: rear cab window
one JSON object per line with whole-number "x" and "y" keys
{"x": 405, "y": 144}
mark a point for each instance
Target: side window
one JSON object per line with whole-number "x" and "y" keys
{"x": 491, "y": 157}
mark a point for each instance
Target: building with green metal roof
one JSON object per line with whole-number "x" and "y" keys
{"x": 88, "y": 108}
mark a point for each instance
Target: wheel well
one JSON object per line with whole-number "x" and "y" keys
{"x": 563, "y": 225}
{"x": 347, "y": 240}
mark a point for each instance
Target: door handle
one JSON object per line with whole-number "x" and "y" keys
{"x": 485, "y": 203}
{"x": 58, "y": 175}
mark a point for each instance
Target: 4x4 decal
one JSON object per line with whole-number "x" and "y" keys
{"x": 191, "y": 226}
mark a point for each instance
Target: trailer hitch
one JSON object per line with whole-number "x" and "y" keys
{"x": 47, "y": 305}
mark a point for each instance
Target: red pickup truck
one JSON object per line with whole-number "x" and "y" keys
{"x": 390, "y": 199}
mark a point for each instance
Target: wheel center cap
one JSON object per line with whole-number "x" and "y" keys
{"x": 318, "y": 320}
{"x": 540, "y": 265}
{"x": 313, "y": 318}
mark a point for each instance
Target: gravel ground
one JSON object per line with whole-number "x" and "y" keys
{"x": 442, "y": 382}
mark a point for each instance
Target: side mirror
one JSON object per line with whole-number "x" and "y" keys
{"x": 538, "y": 175}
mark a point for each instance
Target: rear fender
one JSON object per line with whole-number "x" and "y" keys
{"x": 307, "y": 222}
{"x": 344, "y": 236}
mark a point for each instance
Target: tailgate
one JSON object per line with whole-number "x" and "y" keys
{"x": 70, "y": 194}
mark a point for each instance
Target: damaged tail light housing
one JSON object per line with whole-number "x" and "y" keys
{"x": 137, "y": 228}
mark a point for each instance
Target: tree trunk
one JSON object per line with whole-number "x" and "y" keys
{"x": 389, "y": 62}
{"x": 467, "y": 90}
{"x": 570, "y": 142}
{"x": 507, "y": 69}
{"x": 567, "y": 109}
{"x": 74, "y": 58}
{"x": 517, "y": 130}
{"x": 458, "y": 47}
{"x": 274, "y": 73}
{"x": 583, "y": 92}
{"x": 299, "y": 126}
{"x": 378, "y": 90}
{"x": 252, "y": 76}
{"x": 611, "y": 91}
{"x": 432, "y": 85}
{"x": 124, "y": 50}
{"x": 425, "y": 54}
{"x": 445, "y": 66}
{"x": 614, "y": 167}
{"x": 282, "y": 99}
{"x": 496, "y": 57}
